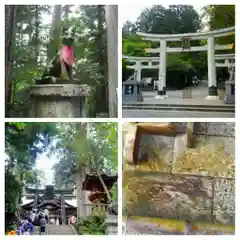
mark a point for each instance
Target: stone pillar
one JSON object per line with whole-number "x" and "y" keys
{"x": 138, "y": 71}
{"x": 212, "y": 79}
{"x": 58, "y": 100}
{"x": 161, "y": 93}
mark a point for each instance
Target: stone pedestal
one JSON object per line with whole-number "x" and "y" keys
{"x": 58, "y": 100}
{"x": 230, "y": 93}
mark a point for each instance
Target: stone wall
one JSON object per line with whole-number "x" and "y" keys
{"x": 174, "y": 181}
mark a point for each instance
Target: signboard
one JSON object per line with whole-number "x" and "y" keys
{"x": 187, "y": 94}
{"x": 186, "y": 43}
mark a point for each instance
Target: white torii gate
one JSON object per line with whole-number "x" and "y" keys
{"x": 186, "y": 38}
{"x": 138, "y": 66}
{"x": 153, "y": 62}
{"x": 229, "y": 60}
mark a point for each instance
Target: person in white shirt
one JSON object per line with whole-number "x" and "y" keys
{"x": 46, "y": 213}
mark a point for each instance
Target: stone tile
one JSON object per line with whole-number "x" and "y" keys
{"x": 212, "y": 156}
{"x": 216, "y": 129}
{"x": 224, "y": 201}
{"x": 168, "y": 196}
{"x": 155, "y": 153}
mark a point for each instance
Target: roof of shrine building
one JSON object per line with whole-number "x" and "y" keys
{"x": 42, "y": 191}
{"x": 70, "y": 203}
{"x": 92, "y": 182}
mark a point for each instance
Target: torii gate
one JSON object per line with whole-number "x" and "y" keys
{"x": 186, "y": 38}
{"x": 138, "y": 66}
{"x": 229, "y": 60}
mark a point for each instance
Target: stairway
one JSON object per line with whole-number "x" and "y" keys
{"x": 59, "y": 230}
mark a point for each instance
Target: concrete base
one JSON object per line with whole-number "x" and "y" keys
{"x": 58, "y": 100}
{"x": 212, "y": 98}
{"x": 161, "y": 97}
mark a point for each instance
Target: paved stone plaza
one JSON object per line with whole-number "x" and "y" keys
{"x": 199, "y": 94}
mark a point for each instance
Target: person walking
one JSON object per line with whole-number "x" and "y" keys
{"x": 46, "y": 213}
{"x": 27, "y": 226}
{"x": 43, "y": 223}
{"x": 33, "y": 215}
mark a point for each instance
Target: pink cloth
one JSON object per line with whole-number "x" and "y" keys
{"x": 67, "y": 55}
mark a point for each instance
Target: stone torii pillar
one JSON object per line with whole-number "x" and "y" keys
{"x": 212, "y": 79}
{"x": 161, "y": 93}
{"x": 138, "y": 71}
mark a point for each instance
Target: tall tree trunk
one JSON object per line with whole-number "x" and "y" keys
{"x": 112, "y": 47}
{"x": 66, "y": 11}
{"x": 105, "y": 187}
{"x": 37, "y": 25}
{"x": 10, "y": 36}
{"x": 102, "y": 105}
{"x": 55, "y": 34}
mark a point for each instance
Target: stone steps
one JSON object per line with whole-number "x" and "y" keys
{"x": 179, "y": 107}
{"x": 59, "y": 230}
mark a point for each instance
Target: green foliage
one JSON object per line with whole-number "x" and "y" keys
{"x": 17, "y": 125}
{"x": 12, "y": 190}
{"x": 221, "y": 16}
{"x": 23, "y": 144}
{"x": 98, "y": 152}
{"x": 174, "y": 19}
{"x": 175, "y": 62}
{"x": 134, "y": 46}
{"x": 93, "y": 225}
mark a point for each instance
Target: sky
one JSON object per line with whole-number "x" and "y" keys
{"x": 45, "y": 164}
{"x": 132, "y": 12}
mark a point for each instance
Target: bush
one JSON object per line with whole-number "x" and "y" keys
{"x": 93, "y": 225}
